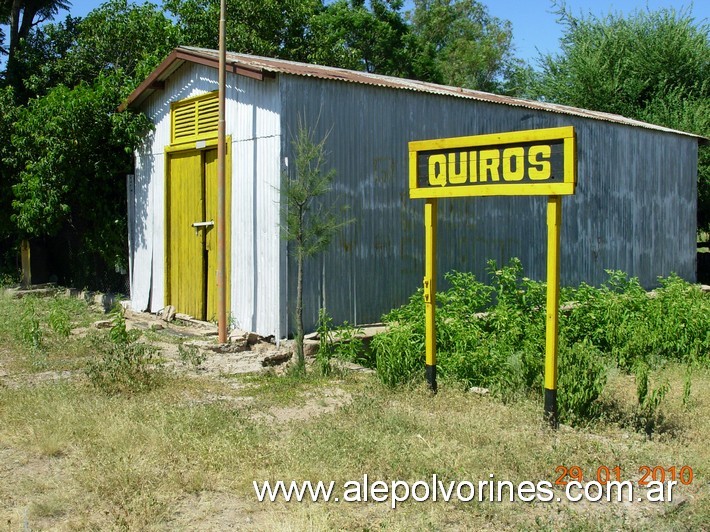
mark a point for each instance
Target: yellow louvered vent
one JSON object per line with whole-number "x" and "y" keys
{"x": 208, "y": 116}
{"x": 195, "y": 118}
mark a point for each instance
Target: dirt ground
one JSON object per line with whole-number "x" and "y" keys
{"x": 39, "y": 490}
{"x": 46, "y": 473}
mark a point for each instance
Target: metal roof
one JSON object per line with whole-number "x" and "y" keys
{"x": 261, "y": 67}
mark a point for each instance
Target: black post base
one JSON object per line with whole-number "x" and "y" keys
{"x": 431, "y": 377}
{"x": 551, "y": 407}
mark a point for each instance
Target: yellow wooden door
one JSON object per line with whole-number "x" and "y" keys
{"x": 191, "y": 232}
{"x": 185, "y": 243}
{"x": 210, "y": 167}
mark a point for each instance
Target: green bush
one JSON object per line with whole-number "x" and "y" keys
{"x": 607, "y": 317}
{"x": 29, "y": 331}
{"x": 494, "y": 335}
{"x": 122, "y": 363}
{"x": 478, "y": 343}
{"x": 582, "y": 376}
{"x": 622, "y": 320}
{"x": 648, "y": 413}
{"x": 399, "y": 355}
{"x": 679, "y": 314}
{"x": 343, "y": 342}
{"x": 59, "y": 318}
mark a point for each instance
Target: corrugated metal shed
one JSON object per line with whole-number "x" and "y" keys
{"x": 635, "y": 207}
{"x": 253, "y": 112}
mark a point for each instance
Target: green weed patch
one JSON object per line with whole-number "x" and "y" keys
{"x": 493, "y": 336}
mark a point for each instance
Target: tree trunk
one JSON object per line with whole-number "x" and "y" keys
{"x": 21, "y": 19}
{"x": 26, "y": 264}
{"x": 300, "y": 359}
{"x": 14, "y": 24}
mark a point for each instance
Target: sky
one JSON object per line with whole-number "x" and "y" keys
{"x": 535, "y": 26}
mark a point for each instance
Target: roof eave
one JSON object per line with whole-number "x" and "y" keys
{"x": 156, "y": 79}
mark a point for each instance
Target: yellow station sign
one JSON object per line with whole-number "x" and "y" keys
{"x": 538, "y": 162}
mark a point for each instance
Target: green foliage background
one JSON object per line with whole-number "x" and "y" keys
{"x": 64, "y": 150}
{"x": 652, "y": 65}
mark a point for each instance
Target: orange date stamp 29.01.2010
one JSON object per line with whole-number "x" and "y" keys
{"x": 605, "y": 474}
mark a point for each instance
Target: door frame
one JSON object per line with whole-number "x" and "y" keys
{"x": 200, "y": 146}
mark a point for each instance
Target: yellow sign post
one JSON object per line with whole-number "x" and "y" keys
{"x": 430, "y": 289}
{"x": 554, "y": 221}
{"x": 538, "y": 162}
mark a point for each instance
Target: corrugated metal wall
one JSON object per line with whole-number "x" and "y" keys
{"x": 255, "y": 124}
{"x": 634, "y": 209}
{"x": 253, "y": 121}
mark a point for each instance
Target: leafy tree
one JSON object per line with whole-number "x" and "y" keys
{"x": 70, "y": 153}
{"x": 471, "y": 48}
{"x": 68, "y": 149}
{"x": 116, "y": 37}
{"x": 39, "y": 54}
{"x": 370, "y": 35}
{"x": 374, "y": 38}
{"x": 309, "y": 223}
{"x": 274, "y": 28}
{"x": 653, "y": 66}
{"x": 8, "y": 114}
{"x": 357, "y": 34}
{"x": 123, "y": 37}
{"x": 22, "y": 16}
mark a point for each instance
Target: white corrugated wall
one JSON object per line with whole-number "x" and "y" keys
{"x": 253, "y": 121}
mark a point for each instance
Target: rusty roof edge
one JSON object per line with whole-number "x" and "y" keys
{"x": 281, "y": 66}
{"x": 340, "y": 74}
{"x": 166, "y": 67}
{"x": 138, "y": 94}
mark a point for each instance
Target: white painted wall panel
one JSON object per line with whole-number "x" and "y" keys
{"x": 253, "y": 121}
{"x": 243, "y": 290}
{"x": 257, "y": 112}
{"x": 142, "y": 260}
{"x": 131, "y": 207}
{"x": 256, "y": 243}
{"x": 268, "y": 237}
{"x": 157, "y": 300}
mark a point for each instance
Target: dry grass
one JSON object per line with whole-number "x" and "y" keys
{"x": 183, "y": 456}
{"x": 177, "y": 458}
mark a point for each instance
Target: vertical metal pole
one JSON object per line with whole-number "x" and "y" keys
{"x": 221, "y": 210}
{"x": 430, "y": 290}
{"x": 554, "y": 221}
